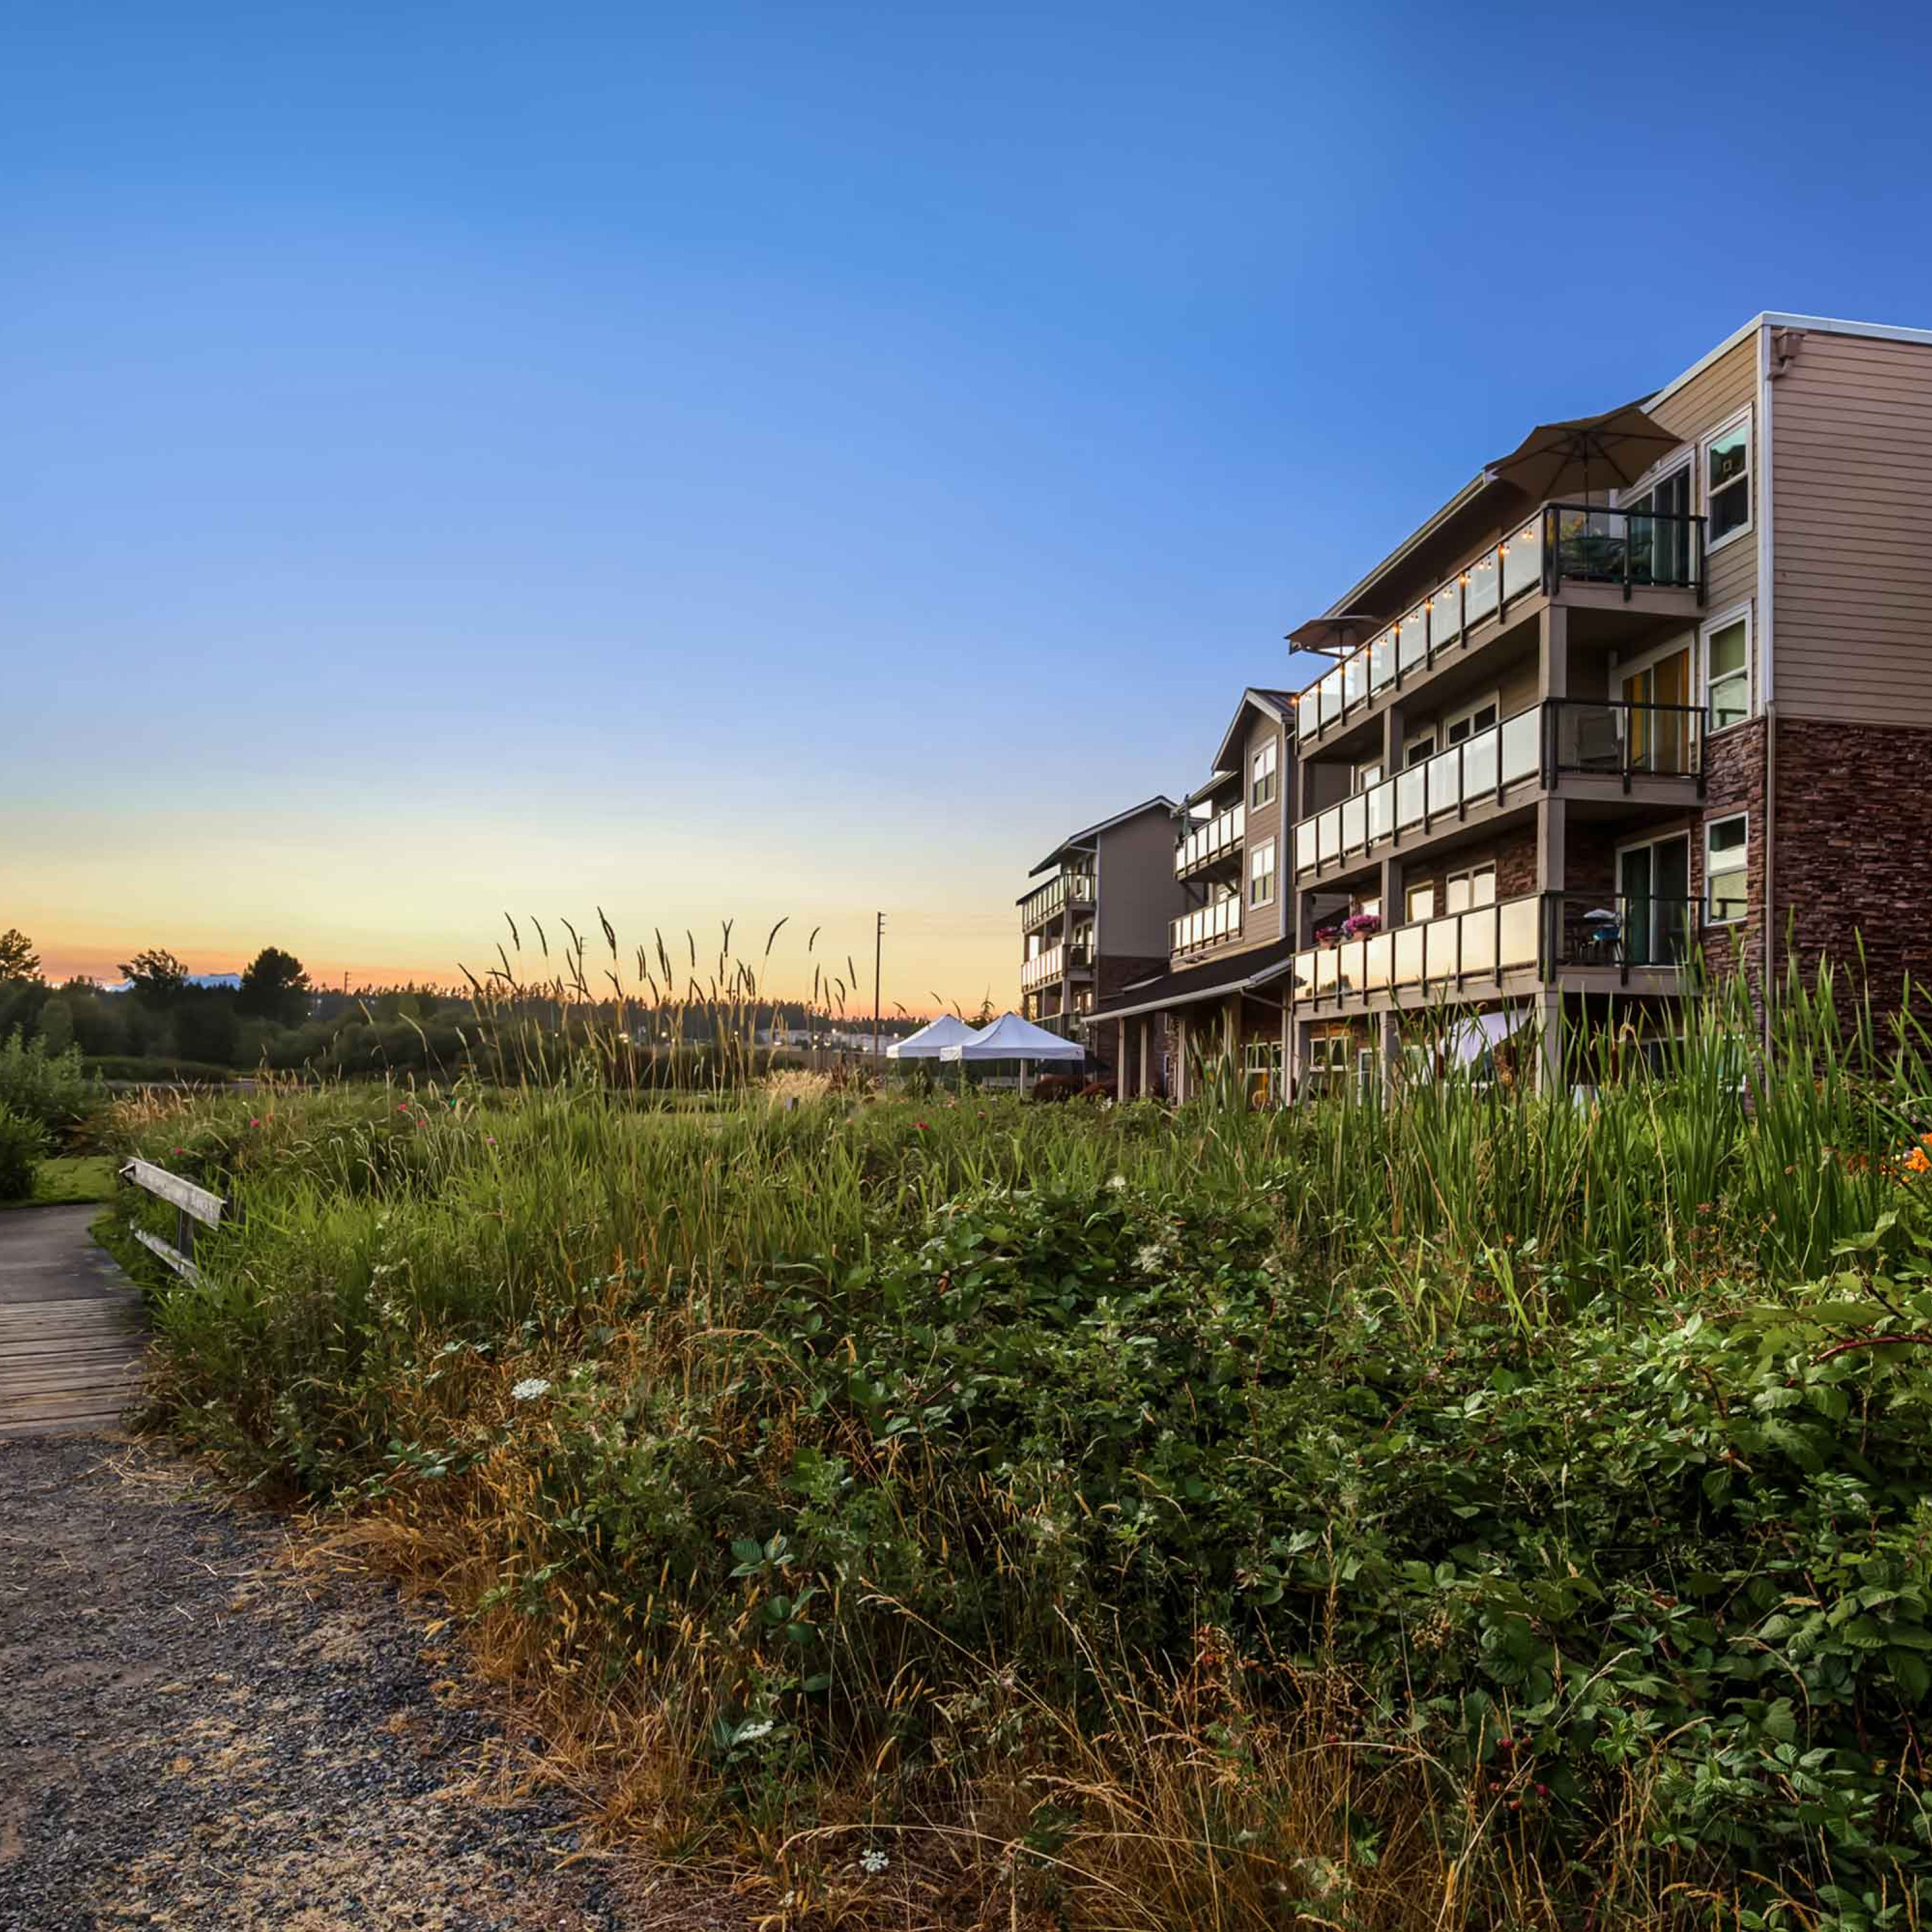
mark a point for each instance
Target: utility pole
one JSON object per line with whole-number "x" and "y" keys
{"x": 878, "y": 954}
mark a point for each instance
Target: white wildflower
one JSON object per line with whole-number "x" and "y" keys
{"x": 530, "y": 1389}
{"x": 750, "y": 1733}
{"x": 1117, "y": 1182}
{"x": 873, "y": 1863}
{"x": 1150, "y": 1257}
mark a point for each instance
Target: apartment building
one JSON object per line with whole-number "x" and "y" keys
{"x": 1099, "y": 918}
{"x": 1218, "y": 988}
{"x": 1653, "y": 685}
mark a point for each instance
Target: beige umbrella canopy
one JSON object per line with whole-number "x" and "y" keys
{"x": 1558, "y": 459}
{"x": 1335, "y": 637}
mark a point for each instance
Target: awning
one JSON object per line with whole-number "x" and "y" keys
{"x": 1214, "y": 980}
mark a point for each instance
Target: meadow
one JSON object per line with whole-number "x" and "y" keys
{"x": 1452, "y": 1508}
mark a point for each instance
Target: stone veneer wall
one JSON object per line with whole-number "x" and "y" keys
{"x": 1850, "y": 862}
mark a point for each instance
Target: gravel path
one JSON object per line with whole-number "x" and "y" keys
{"x": 193, "y": 1737}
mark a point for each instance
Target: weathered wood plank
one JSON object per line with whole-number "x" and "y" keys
{"x": 174, "y": 1258}
{"x": 197, "y": 1202}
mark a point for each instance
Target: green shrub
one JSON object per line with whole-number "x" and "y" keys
{"x": 23, "y": 1145}
{"x": 54, "y": 1089}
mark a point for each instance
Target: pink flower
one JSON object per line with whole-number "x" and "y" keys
{"x": 922, "y": 1126}
{"x": 255, "y": 1123}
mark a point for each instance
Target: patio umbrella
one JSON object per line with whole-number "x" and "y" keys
{"x": 1556, "y": 458}
{"x": 1333, "y": 636}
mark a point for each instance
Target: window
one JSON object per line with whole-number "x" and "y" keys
{"x": 1418, "y": 750}
{"x": 1727, "y": 672}
{"x": 1466, "y": 723}
{"x": 1369, "y": 775}
{"x": 1260, "y": 873}
{"x": 1261, "y": 783}
{"x": 1659, "y": 530}
{"x": 1727, "y": 484}
{"x": 1371, "y": 907}
{"x": 1262, "y": 1058}
{"x": 1420, "y": 903}
{"x": 1726, "y": 890}
{"x": 1477, "y": 886}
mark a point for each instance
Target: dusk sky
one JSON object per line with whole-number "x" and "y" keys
{"x": 721, "y": 461}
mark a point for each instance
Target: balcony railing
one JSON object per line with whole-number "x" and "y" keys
{"x": 1483, "y": 942}
{"x": 1562, "y": 542}
{"x": 1055, "y": 963}
{"x": 1049, "y": 898}
{"x": 1207, "y": 925}
{"x": 1586, "y": 736}
{"x": 1214, "y": 839}
{"x": 1620, "y": 929}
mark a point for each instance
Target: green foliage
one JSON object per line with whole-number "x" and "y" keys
{"x": 23, "y": 1144}
{"x": 18, "y": 959}
{"x": 53, "y": 1089}
{"x": 155, "y": 975}
{"x": 1589, "y": 1447}
{"x": 275, "y": 986}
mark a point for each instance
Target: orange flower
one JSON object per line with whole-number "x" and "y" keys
{"x": 1918, "y": 1161}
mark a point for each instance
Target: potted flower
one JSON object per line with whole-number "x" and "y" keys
{"x": 1360, "y": 924}
{"x": 1328, "y": 937}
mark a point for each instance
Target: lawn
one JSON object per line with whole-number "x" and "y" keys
{"x": 66, "y": 1179}
{"x": 1460, "y": 1510}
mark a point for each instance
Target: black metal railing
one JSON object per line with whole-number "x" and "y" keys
{"x": 1612, "y": 738}
{"x": 1639, "y": 549}
{"x": 1618, "y": 929}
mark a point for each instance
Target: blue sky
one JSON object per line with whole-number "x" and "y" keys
{"x": 733, "y": 461}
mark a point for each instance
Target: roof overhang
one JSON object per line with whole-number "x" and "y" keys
{"x": 1084, "y": 841}
{"x": 1228, "y": 758}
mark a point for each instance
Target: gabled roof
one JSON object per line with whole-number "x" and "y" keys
{"x": 1279, "y": 705}
{"x": 1160, "y": 802}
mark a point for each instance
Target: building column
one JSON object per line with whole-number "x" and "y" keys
{"x": 1121, "y": 1064}
{"x": 1146, "y": 1031}
{"x": 1553, "y": 652}
{"x": 1180, "y": 1055}
{"x": 1550, "y": 1057}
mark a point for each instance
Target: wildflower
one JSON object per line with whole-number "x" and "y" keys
{"x": 256, "y": 1122}
{"x": 530, "y": 1388}
{"x": 489, "y": 1140}
{"x": 873, "y": 1863}
{"x": 922, "y": 1126}
{"x": 1150, "y": 1257}
{"x": 750, "y": 1733}
{"x": 1116, "y": 1181}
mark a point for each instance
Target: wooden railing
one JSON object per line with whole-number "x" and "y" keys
{"x": 194, "y": 1206}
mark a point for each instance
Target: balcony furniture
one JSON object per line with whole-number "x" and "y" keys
{"x": 1599, "y": 745}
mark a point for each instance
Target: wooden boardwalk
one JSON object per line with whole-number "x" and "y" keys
{"x": 71, "y": 1330}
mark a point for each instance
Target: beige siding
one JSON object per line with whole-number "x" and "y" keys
{"x": 1135, "y": 889}
{"x": 1713, "y": 396}
{"x": 1852, "y": 528}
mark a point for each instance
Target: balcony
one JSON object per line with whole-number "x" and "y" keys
{"x": 1623, "y": 930}
{"x": 1563, "y": 543}
{"x": 1583, "y": 738}
{"x": 1048, "y": 901}
{"x": 1219, "y": 838}
{"x": 1210, "y": 925}
{"x": 1055, "y": 963}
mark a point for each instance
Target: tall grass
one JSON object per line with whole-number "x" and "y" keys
{"x": 1387, "y": 1512}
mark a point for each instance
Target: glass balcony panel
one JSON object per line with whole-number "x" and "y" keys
{"x": 1328, "y": 829}
{"x": 1522, "y": 563}
{"x": 1412, "y": 645}
{"x": 1479, "y": 763}
{"x": 1479, "y": 594}
{"x": 1516, "y": 941}
{"x": 1518, "y": 756}
{"x": 1308, "y": 714}
{"x": 1304, "y": 974}
{"x": 1445, "y": 771}
{"x": 1439, "y": 954}
{"x": 1445, "y": 615}
{"x": 1306, "y": 849}
{"x": 1382, "y": 662}
{"x": 1408, "y": 955}
{"x": 1381, "y": 811}
{"x": 1354, "y": 681}
{"x": 1590, "y": 545}
{"x": 1348, "y": 966}
{"x": 1325, "y": 965}
{"x": 1479, "y": 939}
{"x": 1355, "y": 824}
{"x": 1412, "y": 796}
{"x": 1377, "y": 961}
{"x": 1331, "y": 698}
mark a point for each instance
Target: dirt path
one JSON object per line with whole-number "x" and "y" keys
{"x": 191, "y": 1739}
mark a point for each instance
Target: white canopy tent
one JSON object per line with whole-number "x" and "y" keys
{"x": 1010, "y": 1037}
{"x": 930, "y": 1040}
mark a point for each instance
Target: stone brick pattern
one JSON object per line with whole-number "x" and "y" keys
{"x": 1850, "y": 862}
